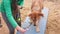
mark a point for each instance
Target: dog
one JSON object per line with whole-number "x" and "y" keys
{"x": 36, "y": 13}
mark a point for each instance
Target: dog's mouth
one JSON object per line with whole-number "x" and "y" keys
{"x": 34, "y": 20}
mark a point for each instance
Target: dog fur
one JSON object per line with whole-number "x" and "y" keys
{"x": 35, "y": 15}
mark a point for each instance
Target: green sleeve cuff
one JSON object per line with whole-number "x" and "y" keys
{"x": 7, "y": 7}
{"x": 0, "y": 7}
{"x": 20, "y": 2}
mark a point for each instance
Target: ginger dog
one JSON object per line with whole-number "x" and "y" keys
{"x": 36, "y": 13}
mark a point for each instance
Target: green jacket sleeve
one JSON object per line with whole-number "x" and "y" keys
{"x": 20, "y": 2}
{"x": 7, "y": 7}
{"x": 0, "y": 7}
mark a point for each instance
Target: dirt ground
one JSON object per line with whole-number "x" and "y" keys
{"x": 53, "y": 23}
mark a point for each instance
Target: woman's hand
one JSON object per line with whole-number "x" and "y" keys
{"x": 20, "y": 29}
{"x": 20, "y": 7}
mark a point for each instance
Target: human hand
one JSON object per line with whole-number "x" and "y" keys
{"x": 20, "y": 29}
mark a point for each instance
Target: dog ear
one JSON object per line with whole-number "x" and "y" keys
{"x": 41, "y": 14}
{"x": 30, "y": 15}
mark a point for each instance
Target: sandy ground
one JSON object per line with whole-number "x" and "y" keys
{"x": 53, "y": 23}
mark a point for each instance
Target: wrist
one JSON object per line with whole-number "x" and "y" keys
{"x": 20, "y": 7}
{"x": 20, "y": 29}
{"x": 17, "y": 27}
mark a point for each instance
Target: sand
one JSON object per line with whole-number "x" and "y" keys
{"x": 53, "y": 23}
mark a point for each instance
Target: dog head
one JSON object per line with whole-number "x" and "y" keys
{"x": 34, "y": 16}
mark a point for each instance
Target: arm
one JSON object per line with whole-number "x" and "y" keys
{"x": 7, "y": 7}
{"x": 0, "y": 7}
